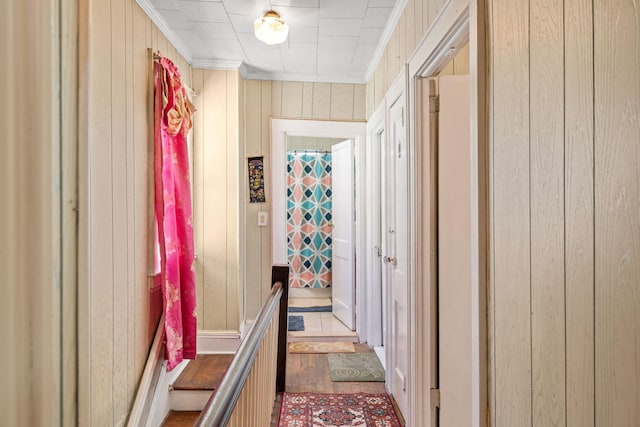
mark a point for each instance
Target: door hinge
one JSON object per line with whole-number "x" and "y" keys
{"x": 402, "y": 116}
{"x": 399, "y": 150}
{"x": 435, "y": 398}
{"x": 434, "y": 104}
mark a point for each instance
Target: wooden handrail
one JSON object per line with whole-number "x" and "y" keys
{"x": 220, "y": 406}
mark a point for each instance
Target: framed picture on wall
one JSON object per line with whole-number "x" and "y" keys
{"x": 256, "y": 179}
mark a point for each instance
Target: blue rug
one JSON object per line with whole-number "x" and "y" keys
{"x": 318, "y": 309}
{"x": 296, "y": 323}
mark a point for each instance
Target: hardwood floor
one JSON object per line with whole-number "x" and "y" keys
{"x": 310, "y": 373}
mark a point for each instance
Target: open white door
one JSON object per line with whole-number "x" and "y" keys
{"x": 396, "y": 252}
{"x": 343, "y": 237}
{"x": 454, "y": 251}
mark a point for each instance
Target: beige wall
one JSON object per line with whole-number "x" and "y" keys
{"x": 217, "y": 160}
{"x": 118, "y": 313}
{"x": 34, "y": 217}
{"x": 413, "y": 24}
{"x": 565, "y": 149}
{"x": 293, "y": 100}
{"x": 564, "y": 291}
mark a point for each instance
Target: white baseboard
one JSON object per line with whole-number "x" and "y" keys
{"x": 149, "y": 381}
{"x": 309, "y": 292}
{"x": 161, "y": 399}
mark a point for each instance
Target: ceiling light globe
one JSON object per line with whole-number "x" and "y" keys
{"x": 271, "y": 28}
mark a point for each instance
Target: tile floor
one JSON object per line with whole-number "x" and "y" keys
{"x": 321, "y": 326}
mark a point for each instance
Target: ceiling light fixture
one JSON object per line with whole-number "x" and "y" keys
{"x": 271, "y": 28}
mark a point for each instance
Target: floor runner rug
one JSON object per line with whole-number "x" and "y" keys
{"x": 355, "y": 367}
{"x": 296, "y": 323}
{"x": 331, "y": 410}
{"x": 312, "y": 347}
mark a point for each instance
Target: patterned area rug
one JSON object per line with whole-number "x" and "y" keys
{"x": 296, "y": 323}
{"x": 312, "y": 347}
{"x": 332, "y": 410}
{"x": 355, "y": 367}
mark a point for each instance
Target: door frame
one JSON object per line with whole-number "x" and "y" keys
{"x": 375, "y": 126}
{"x": 458, "y": 22}
{"x": 280, "y": 128}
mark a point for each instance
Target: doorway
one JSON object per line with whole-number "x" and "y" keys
{"x": 283, "y": 131}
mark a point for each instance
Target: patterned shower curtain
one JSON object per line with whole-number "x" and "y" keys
{"x": 173, "y": 112}
{"x": 309, "y": 219}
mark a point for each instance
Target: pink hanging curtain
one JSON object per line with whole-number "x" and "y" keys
{"x": 174, "y": 243}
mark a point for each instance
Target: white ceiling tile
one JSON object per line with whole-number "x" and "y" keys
{"x": 376, "y": 17}
{"x": 342, "y": 8}
{"x": 265, "y": 59}
{"x": 298, "y": 50}
{"x": 225, "y": 49}
{"x": 297, "y": 65}
{"x": 299, "y": 16}
{"x": 295, "y": 3}
{"x": 328, "y": 39}
{"x": 382, "y": 3}
{"x": 303, "y": 35}
{"x": 215, "y": 30}
{"x": 204, "y": 11}
{"x": 339, "y": 27}
{"x": 246, "y": 7}
{"x": 336, "y": 43}
{"x": 176, "y": 19}
{"x": 370, "y": 35}
{"x": 242, "y": 23}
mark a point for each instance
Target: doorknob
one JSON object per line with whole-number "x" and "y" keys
{"x": 391, "y": 260}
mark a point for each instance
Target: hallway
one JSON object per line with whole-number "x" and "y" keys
{"x": 310, "y": 373}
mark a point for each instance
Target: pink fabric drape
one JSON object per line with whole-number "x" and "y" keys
{"x": 173, "y": 113}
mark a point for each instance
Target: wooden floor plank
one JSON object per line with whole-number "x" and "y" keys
{"x": 180, "y": 418}
{"x": 204, "y": 373}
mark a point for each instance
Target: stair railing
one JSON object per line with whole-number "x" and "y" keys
{"x": 247, "y": 391}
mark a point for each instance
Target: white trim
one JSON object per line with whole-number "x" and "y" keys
{"x": 161, "y": 400}
{"x": 218, "y": 342}
{"x": 459, "y": 21}
{"x": 396, "y": 14}
{"x": 255, "y": 75}
{"x": 280, "y": 128}
{"x": 157, "y": 19}
{"x": 217, "y": 64}
{"x": 146, "y": 390}
{"x": 375, "y": 126}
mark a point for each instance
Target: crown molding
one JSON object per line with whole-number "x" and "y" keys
{"x": 291, "y": 77}
{"x": 386, "y": 36}
{"x": 157, "y": 19}
{"x": 216, "y": 64}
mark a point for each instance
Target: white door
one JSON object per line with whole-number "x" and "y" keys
{"x": 454, "y": 251}
{"x": 396, "y": 252}
{"x": 343, "y": 237}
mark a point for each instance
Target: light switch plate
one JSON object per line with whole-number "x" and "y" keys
{"x": 263, "y": 219}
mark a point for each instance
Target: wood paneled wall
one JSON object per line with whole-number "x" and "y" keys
{"x": 565, "y": 156}
{"x": 118, "y": 313}
{"x": 33, "y": 187}
{"x": 217, "y": 160}
{"x": 414, "y": 22}
{"x": 293, "y": 100}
